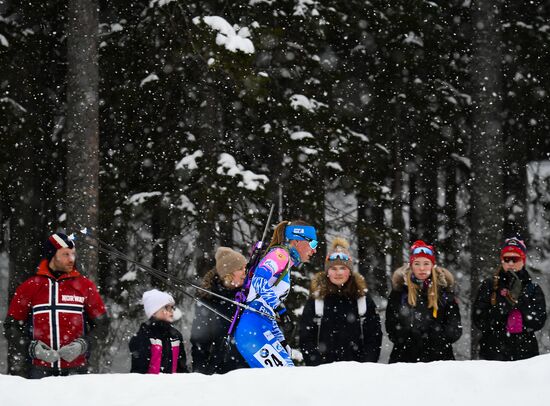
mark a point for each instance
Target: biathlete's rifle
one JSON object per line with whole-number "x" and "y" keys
{"x": 258, "y": 251}
{"x": 177, "y": 283}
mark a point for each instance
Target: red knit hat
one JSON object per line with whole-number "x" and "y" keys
{"x": 421, "y": 249}
{"x": 514, "y": 245}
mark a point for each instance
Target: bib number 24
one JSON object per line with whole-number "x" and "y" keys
{"x": 269, "y": 356}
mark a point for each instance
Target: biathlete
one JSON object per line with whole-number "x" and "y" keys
{"x": 259, "y": 338}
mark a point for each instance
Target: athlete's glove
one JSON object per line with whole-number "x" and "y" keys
{"x": 285, "y": 320}
{"x": 73, "y": 350}
{"x": 39, "y": 350}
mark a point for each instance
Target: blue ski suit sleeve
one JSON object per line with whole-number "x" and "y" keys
{"x": 269, "y": 269}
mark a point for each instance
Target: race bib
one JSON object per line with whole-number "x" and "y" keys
{"x": 269, "y": 357}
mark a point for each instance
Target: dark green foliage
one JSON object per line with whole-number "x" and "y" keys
{"x": 357, "y": 116}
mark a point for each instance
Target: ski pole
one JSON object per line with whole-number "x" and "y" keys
{"x": 165, "y": 277}
{"x": 176, "y": 286}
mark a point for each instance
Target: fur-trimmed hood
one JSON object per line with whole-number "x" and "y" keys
{"x": 321, "y": 286}
{"x": 443, "y": 276}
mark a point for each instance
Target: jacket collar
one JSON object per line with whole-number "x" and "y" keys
{"x": 44, "y": 270}
{"x": 294, "y": 256}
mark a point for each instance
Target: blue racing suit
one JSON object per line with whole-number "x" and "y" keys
{"x": 258, "y": 338}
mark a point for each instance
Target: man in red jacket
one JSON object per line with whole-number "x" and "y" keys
{"x": 55, "y": 317}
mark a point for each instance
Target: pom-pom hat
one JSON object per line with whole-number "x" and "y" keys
{"x": 420, "y": 249}
{"x": 514, "y": 245}
{"x": 339, "y": 254}
{"x": 54, "y": 242}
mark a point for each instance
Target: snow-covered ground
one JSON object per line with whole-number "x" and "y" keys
{"x": 349, "y": 383}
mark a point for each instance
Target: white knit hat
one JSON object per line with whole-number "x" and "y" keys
{"x": 154, "y": 300}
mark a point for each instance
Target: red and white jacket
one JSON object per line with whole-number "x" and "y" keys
{"x": 57, "y": 309}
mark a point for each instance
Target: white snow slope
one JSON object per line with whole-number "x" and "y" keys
{"x": 464, "y": 383}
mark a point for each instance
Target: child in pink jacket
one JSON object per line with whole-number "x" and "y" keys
{"x": 158, "y": 346}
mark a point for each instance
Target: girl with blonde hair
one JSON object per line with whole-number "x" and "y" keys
{"x": 422, "y": 317}
{"x": 340, "y": 321}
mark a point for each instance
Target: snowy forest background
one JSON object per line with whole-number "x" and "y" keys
{"x": 172, "y": 128}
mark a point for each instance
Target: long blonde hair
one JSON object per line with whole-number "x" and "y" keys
{"x": 433, "y": 290}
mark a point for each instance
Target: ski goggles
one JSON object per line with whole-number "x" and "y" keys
{"x": 312, "y": 243}
{"x": 338, "y": 255}
{"x": 423, "y": 250}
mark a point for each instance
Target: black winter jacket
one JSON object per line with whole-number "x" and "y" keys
{"x": 157, "y": 333}
{"x": 416, "y": 334}
{"x": 496, "y": 343}
{"x": 208, "y": 348}
{"x": 338, "y": 338}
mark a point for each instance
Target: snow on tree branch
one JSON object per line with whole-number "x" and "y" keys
{"x": 228, "y": 166}
{"x": 233, "y": 38}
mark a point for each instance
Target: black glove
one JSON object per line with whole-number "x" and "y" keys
{"x": 286, "y": 347}
{"x": 285, "y": 321}
{"x": 515, "y": 286}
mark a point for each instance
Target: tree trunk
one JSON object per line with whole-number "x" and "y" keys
{"x": 82, "y": 132}
{"x": 161, "y": 237}
{"x": 371, "y": 242}
{"x": 211, "y": 130}
{"x": 515, "y": 180}
{"x": 450, "y": 245}
{"x": 429, "y": 199}
{"x": 486, "y": 149}
{"x": 398, "y": 226}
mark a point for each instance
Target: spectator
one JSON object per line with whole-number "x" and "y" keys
{"x": 422, "y": 317}
{"x": 339, "y": 322}
{"x": 210, "y": 353}
{"x": 509, "y": 308}
{"x": 158, "y": 346}
{"x": 56, "y": 317}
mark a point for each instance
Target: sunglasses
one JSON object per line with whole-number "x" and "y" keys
{"x": 423, "y": 250}
{"x": 312, "y": 243}
{"x": 170, "y": 308}
{"x": 338, "y": 255}
{"x": 513, "y": 260}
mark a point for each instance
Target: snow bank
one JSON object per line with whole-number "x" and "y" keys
{"x": 450, "y": 383}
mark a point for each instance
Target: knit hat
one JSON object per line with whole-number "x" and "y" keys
{"x": 421, "y": 249}
{"x": 339, "y": 254}
{"x": 228, "y": 261}
{"x": 55, "y": 242}
{"x": 153, "y": 300}
{"x": 514, "y": 245}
